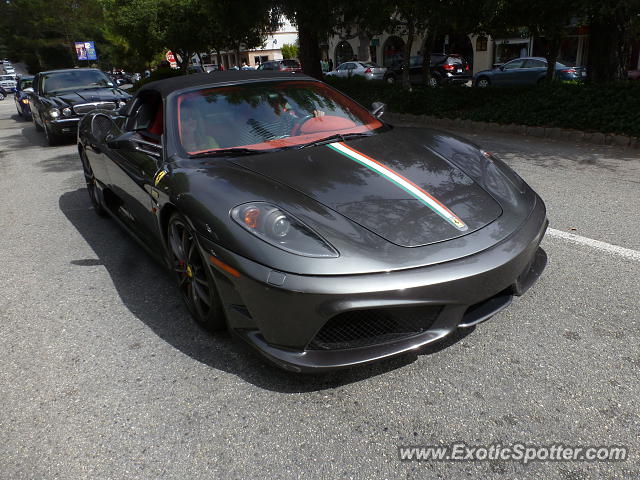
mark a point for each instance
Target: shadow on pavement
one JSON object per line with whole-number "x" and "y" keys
{"x": 149, "y": 292}
{"x": 30, "y": 138}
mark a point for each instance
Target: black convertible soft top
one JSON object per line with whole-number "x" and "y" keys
{"x": 169, "y": 85}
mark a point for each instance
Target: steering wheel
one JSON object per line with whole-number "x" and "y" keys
{"x": 301, "y": 121}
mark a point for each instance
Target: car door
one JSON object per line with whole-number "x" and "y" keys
{"x": 510, "y": 73}
{"x": 415, "y": 70}
{"x": 136, "y": 154}
{"x": 340, "y": 70}
{"x": 533, "y": 70}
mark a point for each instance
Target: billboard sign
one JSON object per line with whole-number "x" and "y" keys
{"x": 86, "y": 51}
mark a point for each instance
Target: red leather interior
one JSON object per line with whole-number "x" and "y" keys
{"x": 325, "y": 124}
{"x": 157, "y": 126}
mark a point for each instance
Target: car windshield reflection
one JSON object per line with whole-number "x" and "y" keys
{"x": 265, "y": 116}
{"x": 61, "y": 82}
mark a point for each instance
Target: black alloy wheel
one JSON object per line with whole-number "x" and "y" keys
{"x": 92, "y": 189}
{"x": 197, "y": 287}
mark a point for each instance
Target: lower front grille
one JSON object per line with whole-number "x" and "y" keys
{"x": 361, "y": 328}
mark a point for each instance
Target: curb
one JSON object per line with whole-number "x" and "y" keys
{"x": 595, "y": 138}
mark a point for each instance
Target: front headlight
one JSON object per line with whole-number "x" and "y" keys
{"x": 66, "y": 112}
{"x": 54, "y": 113}
{"x": 281, "y": 229}
{"x": 121, "y": 103}
{"x": 25, "y": 101}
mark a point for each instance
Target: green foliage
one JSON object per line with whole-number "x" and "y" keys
{"x": 42, "y": 32}
{"x": 610, "y": 108}
{"x": 289, "y": 51}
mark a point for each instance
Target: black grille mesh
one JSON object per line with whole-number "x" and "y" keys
{"x": 360, "y": 328}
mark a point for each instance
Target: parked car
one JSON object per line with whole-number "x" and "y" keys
{"x": 368, "y": 70}
{"x": 297, "y": 219}
{"x": 191, "y": 69}
{"x": 281, "y": 65}
{"x": 8, "y": 83}
{"x": 24, "y": 89}
{"x": 445, "y": 69}
{"x": 525, "y": 71}
{"x": 62, "y": 97}
{"x": 122, "y": 78}
{"x": 3, "y": 94}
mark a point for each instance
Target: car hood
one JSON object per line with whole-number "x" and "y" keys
{"x": 89, "y": 96}
{"x": 392, "y": 184}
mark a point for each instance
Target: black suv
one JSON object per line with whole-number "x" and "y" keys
{"x": 61, "y": 97}
{"x": 445, "y": 69}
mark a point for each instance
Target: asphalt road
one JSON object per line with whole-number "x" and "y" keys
{"x": 104, "y": 376}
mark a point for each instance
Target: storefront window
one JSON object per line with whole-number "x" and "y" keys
{"x": 508, "y": 51}
{"x": 393, "y": 51}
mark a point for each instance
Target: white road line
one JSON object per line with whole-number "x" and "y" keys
{"x": 597, "y": 244}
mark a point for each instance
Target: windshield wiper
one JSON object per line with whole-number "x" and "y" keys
{"x": 337, "y": 137}
{"x": 226, "y": 152}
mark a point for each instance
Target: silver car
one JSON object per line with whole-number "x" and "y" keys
{"x": 368, "y": 70}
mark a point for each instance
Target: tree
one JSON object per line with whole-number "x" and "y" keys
{"x": 315, "y": 22}
{"x": 613, "y": 26}
{"x": 133, "y": 28}
{"x": 43, "y": 32}
{"x": 364, "y": 19}
{"x": 289, "y": 51}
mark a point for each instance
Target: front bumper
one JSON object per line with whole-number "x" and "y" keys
{"x": 281, "y": 314}
{"x": 64, "y": 126}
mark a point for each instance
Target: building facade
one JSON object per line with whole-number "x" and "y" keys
{"x": 270, "y": 50}
{"x": 482, "y": 51}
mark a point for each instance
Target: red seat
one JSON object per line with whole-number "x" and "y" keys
{"x": 157, "y": 126}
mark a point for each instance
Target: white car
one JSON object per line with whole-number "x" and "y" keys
{"x": 368, "y": 70}
{"x": 8, "y": 83}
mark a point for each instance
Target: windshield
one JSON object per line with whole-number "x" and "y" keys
{"x": 26, "y": 83}
{"x": 263, "y": 116}
{"x": 60, "y": 82}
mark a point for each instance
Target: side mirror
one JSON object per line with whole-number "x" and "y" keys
{"x": 377, "y": 109}
{"x": 501, "y": 68}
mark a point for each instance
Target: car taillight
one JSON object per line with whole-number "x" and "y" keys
{"x": 368, "y": 70}
{"x": 447, "y": 66}
{"x": 569, "y": 70}
{"x": 466, "y": 67}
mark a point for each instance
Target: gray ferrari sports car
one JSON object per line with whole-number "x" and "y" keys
{"x": 305, "y": 224}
